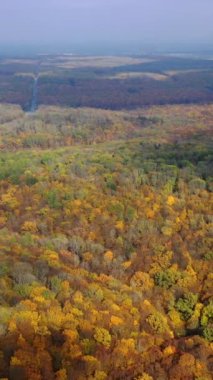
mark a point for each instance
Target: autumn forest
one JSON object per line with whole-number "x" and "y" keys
{"x": 106, "y": 218}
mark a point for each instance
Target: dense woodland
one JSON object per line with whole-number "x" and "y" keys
{"x": 106, "y": 244}
{"x": 114, "y": 83}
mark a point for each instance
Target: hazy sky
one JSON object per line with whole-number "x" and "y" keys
{"x": 89, "y": 21}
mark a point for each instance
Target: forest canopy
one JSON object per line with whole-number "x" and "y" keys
{"x": 106, "y": 243}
